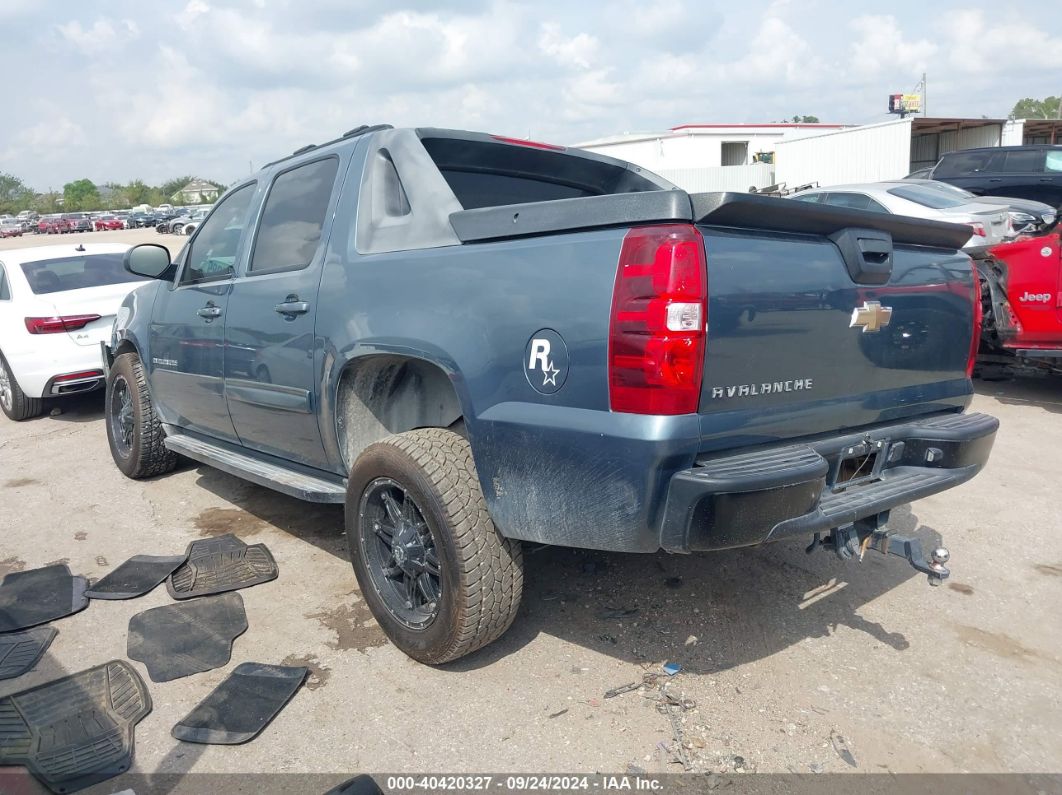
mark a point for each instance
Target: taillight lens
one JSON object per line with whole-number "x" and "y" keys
{"x": 978, "y": 230}
{"x": 657, "y": 331}
{"x": 978, "y": 318}
{"x": 57, "y": 324}
{"x": 78, "y": 376}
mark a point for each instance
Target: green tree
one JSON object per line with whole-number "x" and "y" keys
{"x": 50, "y": 202}
{"x": 15, "y": 195}
{"x": 81, "y": 194}
{"x": 1029, "y": 108}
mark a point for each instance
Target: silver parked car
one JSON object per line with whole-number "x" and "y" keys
{"x": 1024, "y": 213}
{"x": 988, "y": 223}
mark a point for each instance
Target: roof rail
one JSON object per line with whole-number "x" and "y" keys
{"x": 363, "y": 129}
{"x": 366, "y": 128}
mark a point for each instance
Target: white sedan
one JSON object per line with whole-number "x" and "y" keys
{"x": 57, "y": 304}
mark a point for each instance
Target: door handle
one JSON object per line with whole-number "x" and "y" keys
{"x": 1047, "y": 179}
{"x": 292, "y": 306}
{"x": 210, "y": 311}
{"x": 995, "y": 179}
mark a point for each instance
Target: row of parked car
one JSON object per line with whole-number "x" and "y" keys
{"x": 176, "y": 220}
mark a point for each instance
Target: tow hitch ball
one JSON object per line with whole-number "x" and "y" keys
{"x": 848, "y": 542}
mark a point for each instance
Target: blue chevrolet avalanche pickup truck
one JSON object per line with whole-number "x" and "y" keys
{"x": 473, "y": 342}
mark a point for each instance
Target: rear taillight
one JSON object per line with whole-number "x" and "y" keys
{"x": 978, "y": 230}
{"x": 657, "y": 330}
{"x": 84, "y": 374}
{"x": 55, "y": 325}
{"x": 978, "y": 317}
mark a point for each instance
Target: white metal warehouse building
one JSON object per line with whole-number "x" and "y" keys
{"x": 704, "y": 157}
{"x": 715, "y": 157}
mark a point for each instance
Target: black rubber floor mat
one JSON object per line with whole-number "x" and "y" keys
{"x": 242, "y": 705}
{"x": 19, "y": 651}
{"x": 37, "y": 596}
{"x": 359, "y": 785}
{"x": 184, "y": 639}
{"x": 75, "y": 731}
{"x": 221, "y": 564}
{"x": 136, "y": 577}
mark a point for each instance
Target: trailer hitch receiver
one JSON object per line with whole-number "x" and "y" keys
{"x": 854, "y": 540}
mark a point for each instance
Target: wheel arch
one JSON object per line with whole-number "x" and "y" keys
{"x": 380, "y": 393}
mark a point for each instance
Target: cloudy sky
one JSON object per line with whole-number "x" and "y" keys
{"x": 120, "y": 89}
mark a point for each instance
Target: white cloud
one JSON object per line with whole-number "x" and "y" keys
{"x": 882, "y": 49}
{"x": 580, "y": 50}
{"x": 102, "y": 37}
{"x": 210, "y": 84}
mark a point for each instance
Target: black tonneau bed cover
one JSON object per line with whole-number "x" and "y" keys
{"x": 741, "y": 210}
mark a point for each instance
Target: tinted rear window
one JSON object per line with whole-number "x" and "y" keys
{"x": 486, "y": 174}
{"x": 961, "y": 163}
{"x": 74, "y": 273}
{"x": 927, "y": 197}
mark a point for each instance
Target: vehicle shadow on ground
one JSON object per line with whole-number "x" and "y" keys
{"x": 744, "y": 604}
{"x": 86, "y": 407}
{"x": 1044, "y": 392}
{"x": 741, "y": 605}
{"x": 258, "y": 509}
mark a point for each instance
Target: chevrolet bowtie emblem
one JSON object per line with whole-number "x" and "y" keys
{"x": 871, "y": 316}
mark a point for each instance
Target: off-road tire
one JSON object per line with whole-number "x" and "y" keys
{"x": 147, "y": 455}
{"x": 21, "y": 406}
{"x": 481, "y": 572}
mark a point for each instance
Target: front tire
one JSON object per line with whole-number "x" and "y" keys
{"x": 134, "y": 432}
{"x": 15, "y": 403}
{"x": 436, "y": 574}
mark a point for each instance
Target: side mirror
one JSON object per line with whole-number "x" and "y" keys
{"x": 148, "y": 259}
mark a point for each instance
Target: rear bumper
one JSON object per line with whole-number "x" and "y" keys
{"x": 787, "y": 491}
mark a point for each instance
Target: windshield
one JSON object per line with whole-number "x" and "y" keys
{"x": 74, "y": 273}
{"x": 927, "y": 197}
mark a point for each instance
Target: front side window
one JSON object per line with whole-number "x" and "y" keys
{"x": 293, "y": 217}
{"x": 814, "y": 198}
{"x": 5, "y": 291}
{"x": 212, "y": 252}
{"x": 960, "y": 164}
{"x": 1054, "y": 161}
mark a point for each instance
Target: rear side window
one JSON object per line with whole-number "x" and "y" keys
{"x": 1027, "y": 161}
{"x": 75, "y": 273}
{"x": 294, "y": 215}
{"x": 854, "y": 201}
{"x": 212, "y": 252}
{"x": 961, "y": 163}
{"x": 5, "y": 291}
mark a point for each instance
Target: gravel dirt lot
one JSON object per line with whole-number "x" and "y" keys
{"x": 782, "y": 652}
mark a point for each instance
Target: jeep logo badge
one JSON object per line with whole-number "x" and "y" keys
{"x": 546, "y": 361}
{"x": 871, "y": 316}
